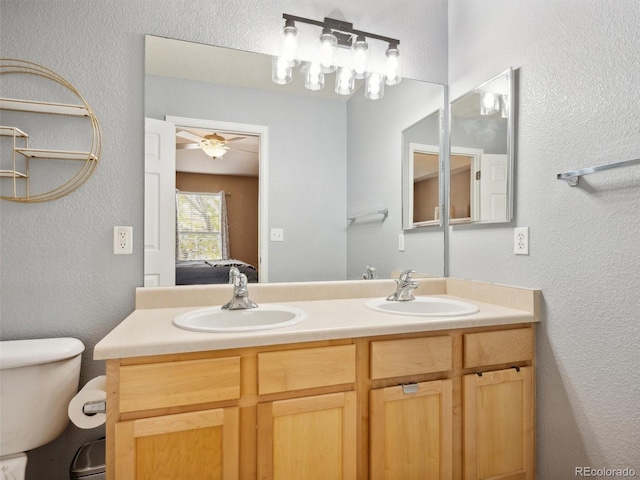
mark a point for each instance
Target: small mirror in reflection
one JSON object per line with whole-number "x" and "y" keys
{"x": 481, "y": 185}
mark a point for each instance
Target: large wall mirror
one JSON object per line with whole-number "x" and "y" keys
{"x": 482, "y": 153}
{"x": 293, "y": 165}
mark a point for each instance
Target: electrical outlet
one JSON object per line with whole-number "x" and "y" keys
{"x": 401, "y": 242}
{"x": 122, "y": 240}
{"x": 521, "y": 240}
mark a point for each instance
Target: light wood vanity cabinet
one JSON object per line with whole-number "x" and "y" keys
{"x": 433, "y": 405}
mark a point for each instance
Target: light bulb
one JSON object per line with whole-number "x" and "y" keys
{"x": 289, "y": 44}
{"x": 314, "y": 78}
{"x": 393, "y": 65}
{"x": 281, "y": 72}
{"x": 345, "y": 81}
{"x": 374, "y": 86}
{"x": 488, "y": 103}
{"x": 328, "y": 51}
{"x": 360, "y": 57}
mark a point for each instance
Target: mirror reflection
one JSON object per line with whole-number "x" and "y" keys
{"x": 481, "y": 165}
{"x": 294, "y": 166}
{"x": 421, "y": 173}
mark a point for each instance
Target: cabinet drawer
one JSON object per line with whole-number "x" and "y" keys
{"x": 492, "y": 348}
{"x": 411, "y": 356}
{"x": 160, "y": 385}
{"x": 288, "y": 370}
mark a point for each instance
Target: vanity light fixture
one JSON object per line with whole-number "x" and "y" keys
{"x": 329, "y": 57}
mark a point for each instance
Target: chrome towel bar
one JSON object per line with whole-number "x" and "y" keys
{"x": 573, "y": 177}
{"x": 384, "y": 212}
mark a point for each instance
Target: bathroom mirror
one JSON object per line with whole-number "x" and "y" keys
{"x": 482, "y": 156}
{"x": 421, "y": 179}
{"x": 299, "y": 164}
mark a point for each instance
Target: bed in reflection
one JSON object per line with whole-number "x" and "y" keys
{"x": 200, "y": 272}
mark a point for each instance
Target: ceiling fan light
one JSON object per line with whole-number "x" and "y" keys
{"x": 214, "y": 151}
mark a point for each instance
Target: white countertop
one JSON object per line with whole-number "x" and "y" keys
{"x": 150, "y": 331}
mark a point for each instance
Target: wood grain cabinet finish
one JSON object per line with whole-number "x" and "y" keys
{"x": 329, "y": 410}
{"x": 499, "y": 425}
{"x": 291, "y": 370}
{"x": 494, "y": 348}
{"x": 201, "y": 445}
{"x": 169, "y": 384}
{"x": 410, "y": 356}
{"x": 310, "y": 438}
{"x": 411, "y": 432}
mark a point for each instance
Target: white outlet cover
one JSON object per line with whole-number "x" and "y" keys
{"x": 521, "y": 240}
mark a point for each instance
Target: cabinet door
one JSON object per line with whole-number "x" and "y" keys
{"x": 310, "y": 438}
{"x": 411, "y": 434}
{"x": 185, "y": 446}
{"x": 499, "y": 425}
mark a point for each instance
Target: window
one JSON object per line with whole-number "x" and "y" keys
{"x": 200, "y": 225}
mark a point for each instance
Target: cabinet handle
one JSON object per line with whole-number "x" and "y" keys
{"x": 517, "y": 369}
{"x": 409, "y": 388}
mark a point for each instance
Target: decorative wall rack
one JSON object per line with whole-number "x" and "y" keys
{"x": 19, "y": 171}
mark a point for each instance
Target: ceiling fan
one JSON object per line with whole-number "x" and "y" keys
{"x": 213, "y": 144}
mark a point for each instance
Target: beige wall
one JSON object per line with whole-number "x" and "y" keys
{"x": 242, "y": 208}
{"x": 425, "y": 199}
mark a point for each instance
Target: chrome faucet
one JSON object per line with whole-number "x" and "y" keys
{"x": 371, "y": 273}
{"x": 405, "y": 287}
{"x": 240, "y": 299}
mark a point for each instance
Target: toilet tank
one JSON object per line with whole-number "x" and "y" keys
{"x": 38, "y": 379}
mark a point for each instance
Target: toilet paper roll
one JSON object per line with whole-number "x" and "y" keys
{"x": 93, "y": 391}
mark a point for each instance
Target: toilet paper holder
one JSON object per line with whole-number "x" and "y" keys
{"x": 91, "y": 408}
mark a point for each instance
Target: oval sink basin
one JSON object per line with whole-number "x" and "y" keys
{"x": 215, "y": 319}
{"x": 424, "y": 307}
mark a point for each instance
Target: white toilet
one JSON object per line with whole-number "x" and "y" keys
{"x": 38, "y": 379}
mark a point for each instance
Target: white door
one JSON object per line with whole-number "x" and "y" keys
{"x": 493, "y": 187}
{"x": 159, "y": 203}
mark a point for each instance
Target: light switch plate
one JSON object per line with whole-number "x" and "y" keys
{"x": 277, "y": 235}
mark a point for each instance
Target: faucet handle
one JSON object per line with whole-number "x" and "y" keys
{"x": 405, "y": 276}
{"x": 240, "y": 280}
{"x": 233, "y": 274}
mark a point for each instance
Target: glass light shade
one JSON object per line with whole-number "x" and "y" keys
{"x": 289, "y": 44}
{"x": 214, "y": 151}
{"x": 393, "y": 65}
{"x": 374, "y": 86}
{"x": 328, "y": 51}
{"x": 281, "y": 71}
{"x": 313, "y": 77}
{"x": 345, "y": 81}
{"x": 489, "y": 103}
{"x": 360, "y": 57}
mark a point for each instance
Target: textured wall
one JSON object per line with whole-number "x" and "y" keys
{"x": 58, "y": 275}
{"x": 579, "y": 106}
